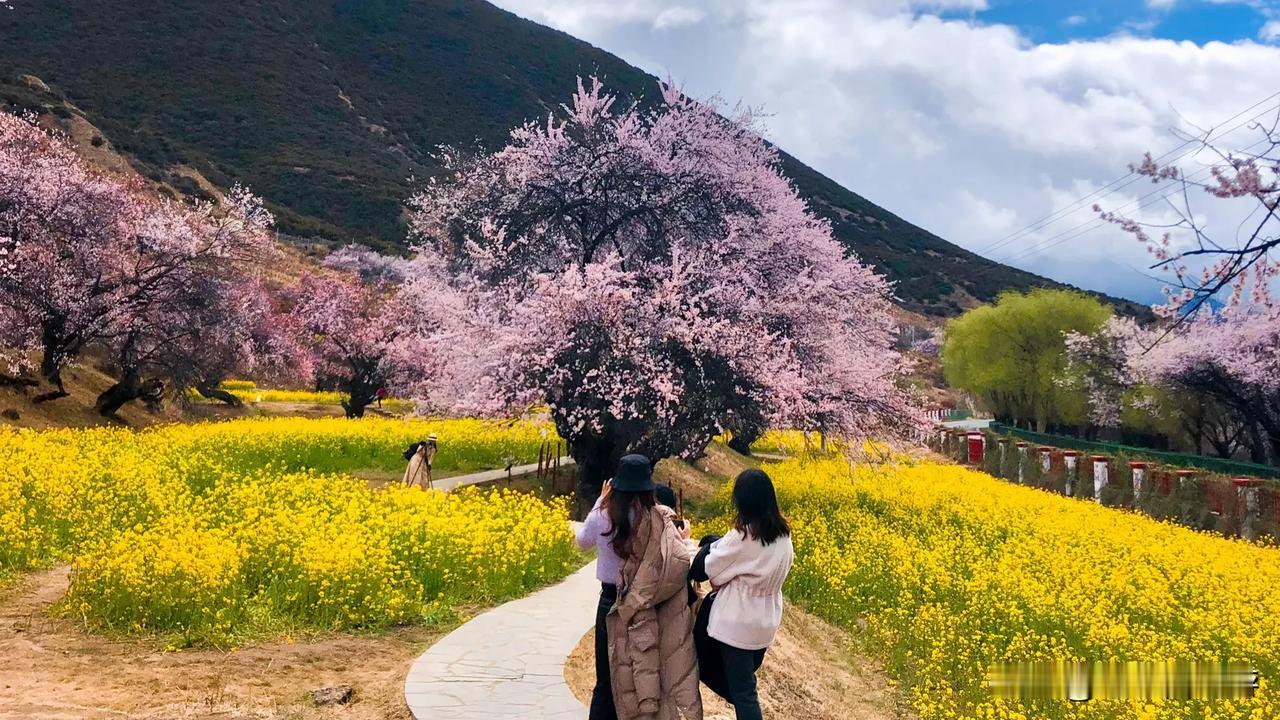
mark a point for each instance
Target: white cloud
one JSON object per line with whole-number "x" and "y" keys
{"x": 677, "y": 16}
{"x": 966, "y": 129}
{"x": 1075, "y": 20}
{"x": 973, "y": 5}
{"x": 1270, "y": 32}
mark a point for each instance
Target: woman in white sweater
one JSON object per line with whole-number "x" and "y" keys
{"x": 746, "y": 569}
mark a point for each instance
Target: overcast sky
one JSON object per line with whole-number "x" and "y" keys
{"x": 971, "y": 118}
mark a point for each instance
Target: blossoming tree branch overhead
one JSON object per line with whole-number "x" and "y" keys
{"x": 650, "y": 275}
{"x": 1213, "y": 362}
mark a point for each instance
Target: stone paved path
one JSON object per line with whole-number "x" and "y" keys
{"x": 451, "y": 483}
{"x": 509, "y": 662}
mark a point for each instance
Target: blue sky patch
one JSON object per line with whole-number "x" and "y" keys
{"x": 1199, "y": 21}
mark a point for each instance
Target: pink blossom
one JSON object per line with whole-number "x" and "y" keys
{"x": 652, "y": 276}
{"x": 1240, "y": 270}
{"x": 89, "y": 259}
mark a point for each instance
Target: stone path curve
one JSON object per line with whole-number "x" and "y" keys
{"x": 508, "y": 663}
{"x": 452, "y": 483}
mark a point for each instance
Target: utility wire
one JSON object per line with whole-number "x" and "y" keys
{"x": 1097, "y": 222}
{"x": 1133, "y": 177}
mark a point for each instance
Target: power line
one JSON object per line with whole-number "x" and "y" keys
{"x": 1052, "y": 217}
{"x": 1097, "y": 222}
{"x": 1131, "y": 176}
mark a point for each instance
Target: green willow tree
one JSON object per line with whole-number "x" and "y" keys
{"x": 1012, "y": 357}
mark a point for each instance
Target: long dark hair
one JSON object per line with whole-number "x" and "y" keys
{"x": 757, "y": 504}
{"x": 619, "y": 507}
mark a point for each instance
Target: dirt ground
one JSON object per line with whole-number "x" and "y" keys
{"x": 84, "y": 383}
{"x": 702, "y": 479}
{"x": 810, "y": 673}
{"x": 51, "y": 669}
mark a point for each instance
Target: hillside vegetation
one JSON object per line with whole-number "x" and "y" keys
{"x": 329, "y": 109}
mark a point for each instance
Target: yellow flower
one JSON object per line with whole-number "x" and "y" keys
{"x": 210, "y": 532}
{"x": 950, "y": 570}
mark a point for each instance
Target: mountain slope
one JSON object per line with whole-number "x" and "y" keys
{"x": 328, "y": 108}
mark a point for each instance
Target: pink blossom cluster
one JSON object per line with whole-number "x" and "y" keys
{"x": 1242, "y": 346}
{"x": 1100, "y": 363}
{"x": 370, "y": 265}
{"x": 927, "y": 346}
{"x": 92, "y": 260}
{"x": 651, "y": 275}
{"x": 1232, "y": 358}
{"x": 1237, "y": 271}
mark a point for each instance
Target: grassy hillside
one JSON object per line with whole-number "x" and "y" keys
{"x": 328, "y": 108}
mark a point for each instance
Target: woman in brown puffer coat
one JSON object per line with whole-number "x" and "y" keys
{"x": 652, "y": 663}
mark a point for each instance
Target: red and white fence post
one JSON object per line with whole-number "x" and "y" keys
{"x": 1248, "y": 506}
{"x": 977, "y": 445}
{"x": 1139, "y": 470}
{"x": 1046, "y": 458}
{"x": 1022, "y": 460}
{"x": 1070, "y": 459}
{"x": 1101, "y": 475}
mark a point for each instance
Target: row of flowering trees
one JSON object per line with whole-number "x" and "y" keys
{"x": 90, "y": 261}
{"x": 170, "y": 293}
{"x": 1210, "y": 370}
{"x": 1213, "y": 380}
{"x": 645, "y": 272}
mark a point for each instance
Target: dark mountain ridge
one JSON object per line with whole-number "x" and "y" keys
{"x": 330, "y": 108}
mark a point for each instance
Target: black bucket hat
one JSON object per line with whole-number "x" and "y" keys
{"x": 635, "y": 474}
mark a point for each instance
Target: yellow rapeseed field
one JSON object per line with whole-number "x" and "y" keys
{"x": 249, "y": 392}
{"x": 951, "y": 570}
{"x": 307, "y": 397}
{"x": 785, "y": 442}
{"x": 209, "y": 532}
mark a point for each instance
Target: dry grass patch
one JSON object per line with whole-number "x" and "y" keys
{"x": 811, "y": 672}
{"x": 84, "y": 383}
{"x": 701, "y": 479}
{"x": 51, "y": 669}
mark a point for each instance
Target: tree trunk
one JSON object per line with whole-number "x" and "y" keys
{"x": 362, "y": 388}
{"x": 117, "y": 396}
{"x": 1221, "y": 448}
{"x": 57, "y": 350}
{"x": 130, "y": 387}
{"x": 741, "y": 441}
{"x": 1257, "y": 444}
{"x": 213, "y": 392}
{"x": 596, "y": 457}
{"x": 51, "y": 370}
{"x": 355, "y": 406}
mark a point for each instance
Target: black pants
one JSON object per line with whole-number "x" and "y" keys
{"x": 602, "y": 696}
{"x": 730, "y": 672}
